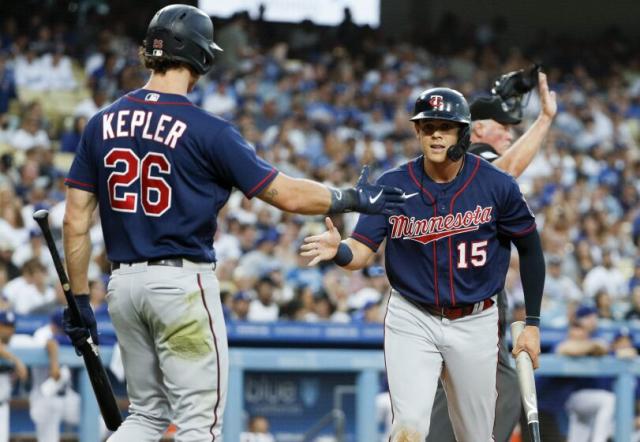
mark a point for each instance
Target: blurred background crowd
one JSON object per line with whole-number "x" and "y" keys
{"x": 320, "y": 102}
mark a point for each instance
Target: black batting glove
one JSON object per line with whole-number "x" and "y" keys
{"x": 79, "y": 334}
{"x": 367, "y": 198}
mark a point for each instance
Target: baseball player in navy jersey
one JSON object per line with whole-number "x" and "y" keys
{"x": 160, "y": 169}
{"x": 491, "y": 139}
{"x": 446, "y": 255}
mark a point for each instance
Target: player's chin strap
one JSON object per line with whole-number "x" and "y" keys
{"x": 457, "y": 150}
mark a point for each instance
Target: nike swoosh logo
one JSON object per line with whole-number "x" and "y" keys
{"x": 338, "y": 194}
{"x": 373, "y": 199}
{"x": 411, "y": 195}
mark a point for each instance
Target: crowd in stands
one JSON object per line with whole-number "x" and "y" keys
{"x": 321, "y": 102}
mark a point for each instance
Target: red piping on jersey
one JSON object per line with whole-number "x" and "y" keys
{"x": 262, "y": 181}
{"x": 78, "y": 183}
{"x": 525, "y": 231}
{"x": 369, "y": 242}
{"x": 171, "y": 103}
{"x": 435, "y": 213}
{"x": 453, "y": 200}
{"x": 215, "y": 343}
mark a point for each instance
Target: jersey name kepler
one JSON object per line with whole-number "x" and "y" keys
{"x": 431, "y": 229}
{"x": 166, "y": 129}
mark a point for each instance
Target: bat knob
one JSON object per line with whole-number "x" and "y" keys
{"x": 40, "y": 214}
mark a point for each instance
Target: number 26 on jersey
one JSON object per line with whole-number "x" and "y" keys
{"x": 154, "y": 191}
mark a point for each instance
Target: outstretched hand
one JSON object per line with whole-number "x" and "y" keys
{"x": 548, "y": 103}
{"x": 322, "y": 247}
{"x": 376, "y": 198}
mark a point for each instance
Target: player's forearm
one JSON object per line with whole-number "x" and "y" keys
{"x": 516, "y": 159}
{"x": 532, "y": 274}
{"x": 361, "y": 255}
{"x": 297, "y": 195}
{"x": 77, "y": 253}
{"x": 7, "y": 355}
{"x": 75, "y": 234}
{"x": 309, "y": 197}
{"x": 52, "y": 350}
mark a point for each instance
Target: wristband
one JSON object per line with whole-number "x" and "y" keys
{"x": 343, "y": 200}
{"x": 532, "y": 320}
{"x": 344, "y": 255}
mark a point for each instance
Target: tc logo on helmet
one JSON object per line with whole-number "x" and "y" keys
{"x": 436, "y": 101}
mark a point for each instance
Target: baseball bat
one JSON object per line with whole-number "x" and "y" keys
{"x": 524, "y": 367}
{"x": 89, "y": 350}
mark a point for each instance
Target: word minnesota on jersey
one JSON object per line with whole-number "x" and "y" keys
{"x": 431, "y": 229}
{"x": 124, "y": 123}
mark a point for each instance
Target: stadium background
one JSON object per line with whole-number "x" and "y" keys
{"x": 319, "y": 101}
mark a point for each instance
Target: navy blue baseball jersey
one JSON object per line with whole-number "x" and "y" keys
{"x": 450, "y": 243}
{"x": 162, "y": 168}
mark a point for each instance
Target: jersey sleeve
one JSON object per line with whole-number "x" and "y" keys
{"x": 515, "y": 217}
{"x": 83, "y": 172}
{"x": 370, "y": 230}
{"x": 239, "y": 165}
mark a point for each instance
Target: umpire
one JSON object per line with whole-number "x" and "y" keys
{"x": 491, "y": 138}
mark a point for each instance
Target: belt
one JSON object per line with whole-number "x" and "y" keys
{"x": 456, "y": 312}
{"x": 169, "y": 262}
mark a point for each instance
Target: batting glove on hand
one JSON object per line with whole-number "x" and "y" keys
{"x": 367, "y": 198}
{"x": 77, "y": 333}
{"x": 376, "y": 198}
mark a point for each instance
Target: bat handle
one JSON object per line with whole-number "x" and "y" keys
{"x": 534, "y": 430}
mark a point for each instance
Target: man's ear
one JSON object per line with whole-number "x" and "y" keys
{"x": 416, "y": 129}
{"x": 478, "y": 128}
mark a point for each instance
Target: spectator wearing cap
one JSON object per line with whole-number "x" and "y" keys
{"x": 622, "y": 345}
{"x": 34, "y": 249}
{"x": 369, "y": 313}
{"x": 557, "y": 285}
{"x": 376, "y": 285}
{"x": 52, "y": 400}
{"x": 264, "y": 308}
{"x": 260, "y": 260}
{"x": 591, "y": 405}
{"x": 240, "y": 306}
{"x": 7, "y": 329}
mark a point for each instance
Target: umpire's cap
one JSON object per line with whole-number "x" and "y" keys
{"x": 182, "y": 33}
{"x": 442, "y": 103}
{"x": 493, "y": 108}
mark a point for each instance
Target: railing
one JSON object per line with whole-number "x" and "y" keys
{"x": 366, "y": 364}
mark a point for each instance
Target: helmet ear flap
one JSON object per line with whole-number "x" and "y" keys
{"x": 458, "y": 150}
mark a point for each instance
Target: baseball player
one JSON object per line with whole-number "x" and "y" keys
{"x": 491, "y": 138}
{"x": 160, "y": 169}
{"x": 446, "y": 256}
{"x": 52, "y": 400}
{"x": 7, "y": 329}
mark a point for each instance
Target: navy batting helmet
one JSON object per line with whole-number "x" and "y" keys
{"x": 442, "y": 103}
{"x": 182, "y": 33}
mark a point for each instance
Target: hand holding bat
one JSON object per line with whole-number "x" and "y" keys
{"x": 76, "y": 318}
{"x": 524, "y": 367}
